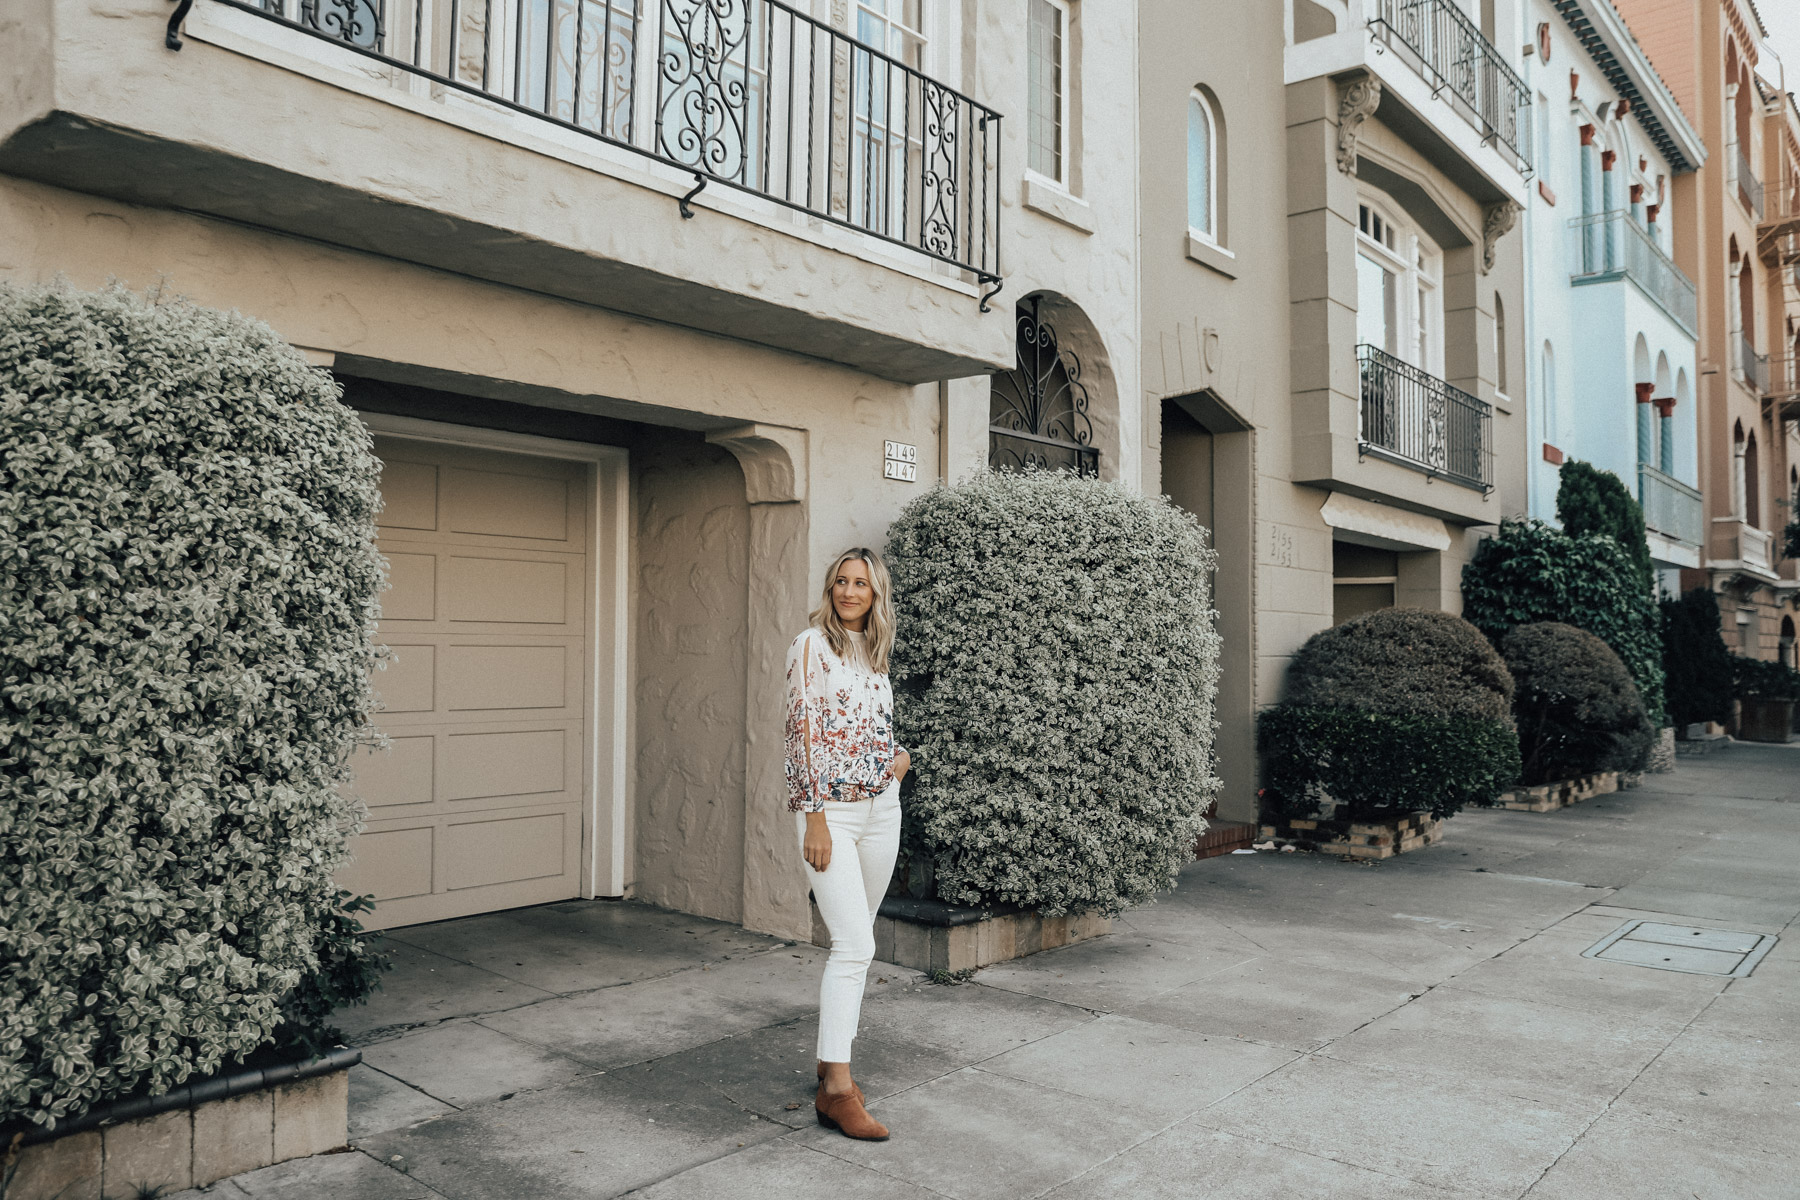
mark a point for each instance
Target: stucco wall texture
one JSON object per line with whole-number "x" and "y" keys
{"x": 692, "y": 572}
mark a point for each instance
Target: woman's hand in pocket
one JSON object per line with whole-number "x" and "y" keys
{"x": 902, "y": 764}
{"x": 816, "y": 848}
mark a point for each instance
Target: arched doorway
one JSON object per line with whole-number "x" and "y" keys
{"x": 1040, "y": 412}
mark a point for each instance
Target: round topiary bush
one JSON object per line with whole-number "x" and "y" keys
{"x": 1576, "y": 706}
{"x": 1392, "y": 712}
{"x": 188, "y": 577}
{"x": 1402, "y": 662}
{"x": 1054, "y": 671}
{"x": 1529, "y": 572}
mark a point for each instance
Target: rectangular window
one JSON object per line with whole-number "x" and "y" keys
{"x": 1375, "y": 303}
{"x": 1046, "y": 87}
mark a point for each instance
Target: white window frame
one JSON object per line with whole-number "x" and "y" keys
{"x": 1418, "y": 266}
{"x": 1065, "y": 14}
{"x": 1211, "y": 235}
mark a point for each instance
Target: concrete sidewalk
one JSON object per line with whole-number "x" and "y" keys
{"x": 1283, "y": 1025}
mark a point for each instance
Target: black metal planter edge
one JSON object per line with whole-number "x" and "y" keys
{"x": 231, "y": 1083}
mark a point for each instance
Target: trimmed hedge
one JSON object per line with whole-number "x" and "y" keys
{"x": 1763, "y": 679}
{"x": 1529, "y": 572}
{"x": 1378, "y": 765}
{"x": 1391, "y": 712}
{"x": 1576, "y": 706}
{"x": 1054, "y": 670}
{"x": 1402, "y": 661}
{"x": 1696, "y": 662}
{"x": 188, "y": 573}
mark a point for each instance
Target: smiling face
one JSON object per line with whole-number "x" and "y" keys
{"x": 853, "y": 594}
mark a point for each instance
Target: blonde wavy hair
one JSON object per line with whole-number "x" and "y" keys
{"x": 878, "y": 635}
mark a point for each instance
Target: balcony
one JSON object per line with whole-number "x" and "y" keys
{"x": 1671, "y": 508}
{"x": 754, "y": 96}
{"x": 1739, "y": 546}
{"x": 845, "y": 204}
{"x": 1612, "y": 245}
{"x": 1440, "y": 42}
{"x": 1752, "y": 368}
{"x": 1750, "y": 189}
{"x": 1417, "y": 420}
{"x": 1778, "y": 236}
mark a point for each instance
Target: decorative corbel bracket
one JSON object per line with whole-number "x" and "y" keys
{"x": 1357, "y": 100}
{"x": 1496, "y": 219}
{"x": 773, "y": 458}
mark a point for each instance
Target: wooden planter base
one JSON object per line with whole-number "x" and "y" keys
{"x": 1358, "y": 839}
{"x": 929, "y": 935}
{"x": 198, "y": 1133}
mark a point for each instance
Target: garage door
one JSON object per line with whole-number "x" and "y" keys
{"x": 477, "y": 803}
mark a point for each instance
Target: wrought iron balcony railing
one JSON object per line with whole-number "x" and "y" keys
{"x": 1612, "y": 245}
{"x": 749, "y": 94}
{"x": 1416, "y": 419}
{"x": 1749, "y": 187}
{"x": 1671, "y": 507}
{"x": 1448, "y": 49}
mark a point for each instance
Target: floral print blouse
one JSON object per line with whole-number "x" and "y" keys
{"x": 846, "y": 712}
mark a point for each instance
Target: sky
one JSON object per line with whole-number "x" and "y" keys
{"x": 1782, "y": 19}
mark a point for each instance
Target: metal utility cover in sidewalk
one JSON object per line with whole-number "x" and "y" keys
{"x": 1683, "y": 948}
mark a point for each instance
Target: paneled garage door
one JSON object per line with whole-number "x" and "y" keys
{"x": 477, "y": 804}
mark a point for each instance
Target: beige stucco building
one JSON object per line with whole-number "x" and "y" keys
{"x": 652, "y": 315}
{"x": 626, "y": 421}
{"x": 1324, "y": 312}
{"x": 1736, "y": 238}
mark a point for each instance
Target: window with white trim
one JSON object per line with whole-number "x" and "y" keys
{"x": 1203, "y": 168}
{"x": 1047, "y": 89}
{"x": 1399, "y": 297}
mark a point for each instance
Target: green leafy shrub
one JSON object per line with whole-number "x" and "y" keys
{"x": 1402, "y": 661}
{"x": 1592, "y": 502}
{"x": 1388, "y": 713}
{"x": 1529, "y": 572}
{"x": 1575, "y": 704}
{"x": 349, "y": 971}
{"x": 1763, "y": 679}
{"x": 189, "y": 581}
{"x": 1054, "y": 669}
{"x": 1695, "y": 661}
{"x": 1376, "y": 765}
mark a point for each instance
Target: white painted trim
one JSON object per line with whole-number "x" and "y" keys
{"x": 604, "y": 826}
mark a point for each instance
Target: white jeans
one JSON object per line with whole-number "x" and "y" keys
{"x": 865, "y": 840}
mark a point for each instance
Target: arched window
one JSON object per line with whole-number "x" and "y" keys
{"x": 1752, "y": 484}
{"x": 1739, "y": 492}
{"x": 1499, "y": 344}
{"x": 1203, "y": 168}
{"x": 1547, "y": 403}
{"x": 1038, "y": 411}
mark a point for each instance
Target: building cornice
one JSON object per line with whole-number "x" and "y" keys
{"x": 1606, "y": 39}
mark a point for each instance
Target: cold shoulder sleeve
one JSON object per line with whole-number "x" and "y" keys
{"x": 808, "y": 700}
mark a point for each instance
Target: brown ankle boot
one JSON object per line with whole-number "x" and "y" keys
{"x": 845, "y": 1113}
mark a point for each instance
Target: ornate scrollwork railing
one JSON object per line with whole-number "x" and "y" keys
{"x": 1462, "y": 66}
{"x": 749, "y": 94}
{"x": 1038, "y": 411}
{"x": 1412, "y": 417}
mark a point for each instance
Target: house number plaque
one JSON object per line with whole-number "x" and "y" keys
{"x": 902, "y": 462}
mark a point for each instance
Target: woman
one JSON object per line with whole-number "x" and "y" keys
{"x": 844, "y": 770}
